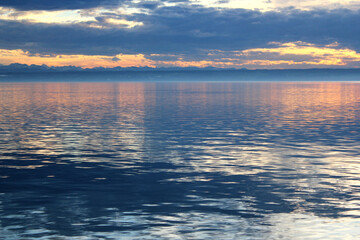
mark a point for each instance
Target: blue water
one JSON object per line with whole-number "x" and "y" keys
{"x": 179, "y": 160}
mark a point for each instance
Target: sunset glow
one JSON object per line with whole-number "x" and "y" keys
{"x": 222, "y": 34}
{"x": 282, "y": 55}
{"x": 84, "y": 61}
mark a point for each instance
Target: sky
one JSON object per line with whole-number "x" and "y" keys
{"x": 253, "y": 34}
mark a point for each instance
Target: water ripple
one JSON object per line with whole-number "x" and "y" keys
{"x": 179, "y": 160}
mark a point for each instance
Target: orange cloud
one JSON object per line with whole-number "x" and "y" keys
{"x": 301, "y": 48}
{"x": 281, "y": 55}
{"x": 200, "y": 64}
{"x": 309, "y": 54}
{"x": 84, "y": 61}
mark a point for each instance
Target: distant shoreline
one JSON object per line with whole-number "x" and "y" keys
{"x": 23, "y": 68}
{"x": 186, "y": 75}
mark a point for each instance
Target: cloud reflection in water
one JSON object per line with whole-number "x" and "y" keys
{"x": 193, "y": 160}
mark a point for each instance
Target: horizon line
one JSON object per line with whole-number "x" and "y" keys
{"x": 44, "y": 68}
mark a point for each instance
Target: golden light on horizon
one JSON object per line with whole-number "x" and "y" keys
{"x": 199, "y": 64}
{"x": 277, "y": 56}
{"x": 84, "y": 61}
{"x": 288, "y": 53}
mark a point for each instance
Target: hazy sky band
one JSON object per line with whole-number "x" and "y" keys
{"x": 253, "y": 34}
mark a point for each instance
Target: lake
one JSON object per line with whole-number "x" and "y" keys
{"x": 178, "y": 159}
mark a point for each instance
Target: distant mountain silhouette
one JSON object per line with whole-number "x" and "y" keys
{"x": 17, "y": 67}
{"x": 322, "y": 73}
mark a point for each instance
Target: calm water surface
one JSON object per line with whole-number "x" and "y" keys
{"x": 194, "y": 160}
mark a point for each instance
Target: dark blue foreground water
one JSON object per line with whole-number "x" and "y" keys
{"x": 191, "y": 160}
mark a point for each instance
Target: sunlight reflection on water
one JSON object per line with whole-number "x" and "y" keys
{"x": 194, "y": 160}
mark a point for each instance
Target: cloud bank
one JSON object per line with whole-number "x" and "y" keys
{"x": 184, "y": 32}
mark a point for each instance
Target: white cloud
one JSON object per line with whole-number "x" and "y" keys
{"x": 50, "y": 17}
{"x": 271, "y": 5}
{"x": 89, "y": 18}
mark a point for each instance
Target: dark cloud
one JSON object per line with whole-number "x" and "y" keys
{"x": 149, "y": 5}
{"x": 79, "y": 4}
{"x": 57, "y": 4}
{"x": 188, "y": 30}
